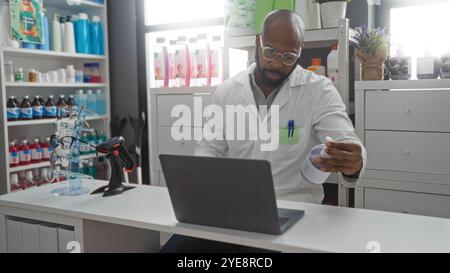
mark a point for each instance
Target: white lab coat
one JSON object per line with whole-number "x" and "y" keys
{"x": 318, "y": 111}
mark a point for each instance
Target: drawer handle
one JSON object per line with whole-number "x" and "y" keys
{"x": 407, "y": 153}
{"x": 407, "y": 111}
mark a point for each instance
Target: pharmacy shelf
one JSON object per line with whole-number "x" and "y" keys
{"x": 55, "y": 85}
{"x": 313, "y": 38}
{"x": 47, "y": 121}
{"x": 403, "y": 84}
{"x": 46, "y": 164}
{"x": 41, "y": 54}
{"x": 74, "y": 5}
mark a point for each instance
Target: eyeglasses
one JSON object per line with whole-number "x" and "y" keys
{"x": 269, "y": 54}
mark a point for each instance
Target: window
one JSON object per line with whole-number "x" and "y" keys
{"x": 420, "y": 27}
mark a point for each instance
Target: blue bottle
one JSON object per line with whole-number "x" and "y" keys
{"x": 83, "y": 34}
{"x": 101, "y": 103}
{"x": 28, "y": 45}
{"x": 45, "y": 31}
{"x": 98, "y": 47}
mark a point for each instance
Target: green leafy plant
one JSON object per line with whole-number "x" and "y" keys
{"x": 326, "y": 1}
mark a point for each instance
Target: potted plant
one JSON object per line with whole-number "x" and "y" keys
{"x": 371, "y": 48}
{"x": 331, "y": 11}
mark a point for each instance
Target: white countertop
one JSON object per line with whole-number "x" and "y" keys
{"x": 323, "y": 228}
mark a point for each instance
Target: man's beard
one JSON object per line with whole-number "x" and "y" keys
{"x": 262, "y": 73}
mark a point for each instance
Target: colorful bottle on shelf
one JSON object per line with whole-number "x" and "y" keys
{"x": 161, "y": 64}
{"x": 38, "y": 108}
{"x": 100, "y": 102}
{"x": 98, "y": 46}
{"x": 62, "y": 106}
{"x": 216, "y": 68}
{"x": 203, "y": 60}
{"x": 51, "y": 110}
{"x": 182, "y": 62}
{"x": 36, "y": 152}
{"x": 14, "y": 160}
{"x": 62, "y": 25}
{"x": 83, "y": 35}
{"x": 91, "y": 101}
{"x": 45, "y": 32}
{"x": 26, "y": 111}
{"x": 13, "y": 109}
{"x": 80, "y": 98}
{"x": 47, "y": 150}
{"x": 193, "y": 61}
{"x": 24, "y": 154}
{"x": 14, "y": 181}
{"x": 171, "y": 60}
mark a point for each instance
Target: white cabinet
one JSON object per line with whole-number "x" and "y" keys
{"x": 407, "y": 133}
{"x": 163, "y": 103}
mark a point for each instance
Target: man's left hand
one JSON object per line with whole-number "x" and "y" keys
{"x": 346, "y": 158}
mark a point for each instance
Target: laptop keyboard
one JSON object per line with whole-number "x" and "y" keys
{"x": 283, "y": 220}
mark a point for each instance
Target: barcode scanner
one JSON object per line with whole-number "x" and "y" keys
{"x": 120, "y": 159}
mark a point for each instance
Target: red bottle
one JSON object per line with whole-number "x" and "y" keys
{"x": 14, "y": 159}
{"x": 24, "y": 154}
{"x": 36, "y": 152}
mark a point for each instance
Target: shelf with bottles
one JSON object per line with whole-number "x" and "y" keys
{"x": 186, "y": 59}
{"x": 24, "y": 179}
{"x": 40, "y": 110}
{"x": 26, "y": 156}
{"x": 71, "y": 75}
{"x": 35, "y": 53}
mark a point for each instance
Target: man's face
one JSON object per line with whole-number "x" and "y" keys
{"x": 275, "y": 72}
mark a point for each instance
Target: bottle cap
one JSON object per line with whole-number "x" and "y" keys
{"x": 96, "y": 19}
{"x": 83, "y": 16}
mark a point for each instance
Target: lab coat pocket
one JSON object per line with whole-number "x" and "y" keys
{"x": 290, "y": 136}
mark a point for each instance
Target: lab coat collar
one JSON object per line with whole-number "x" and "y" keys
{"x": 297, "y": 78}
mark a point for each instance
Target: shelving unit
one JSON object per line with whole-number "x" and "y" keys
{"x": 45, "y": 61}
{"x": 314, "y": 39}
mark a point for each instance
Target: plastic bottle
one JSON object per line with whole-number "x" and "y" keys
{"x": 51, "y": 110}
{"x": 216, "y": 68}
{"x": 427, "y": 66}
{"x": 182, "y": 62}
{"x": 83, "y": 38}
{"x": 14, "y": 160}
{"x": 29, "y": 180}
{"x": 84, "y": 148}
{"x": 14, "y": 181}
{"x": 70, "y": 74}
{"x": 44, "y": 176}
{"x": 171, "y": 52}
{"x": 203, "y": 59}
{"x": 311, "y": 170}
{"x": 317, "y": 67}
{"x": 26, "y": 111}
{"x": 333, "y": 65}
{"x": 69, "y": 38}
{"x": 56, "y": 34}
{"x": 102, "y": 137}
{"x": 62, "y": 25}
{"x": 101, "y": 102}
{"x": 161, "y": 64}
{"x": 400, "y": 66}
{"x": 38, "y": 108}
{"x": 45, "y": 32}
{"x": 91, "y": 101}
{"x": 70, "y": 101}
{"x": 47, "y": 150}
{"x": 98, "y": 46}
{"x": 36, "y": 152}
{"x": 193, "y": 61}
{"x": 38, "y": 181}
{"x": 9, "y": 71}
{"x": 62, "y": 106}
{"x": 18, "y": 75}
{"x": 80, "y": 98}
{"x": 13, "y": 109}
{"x": 24, "y": 154}
{"x": 91, "y": 169}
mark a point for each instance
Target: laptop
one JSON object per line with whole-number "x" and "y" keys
{"x": 228, "y": 193}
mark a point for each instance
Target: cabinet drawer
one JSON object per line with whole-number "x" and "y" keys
{"x": 167, "y": 145}
{"x": 407, "y": 202}
{"x": 165, "y": 104}
{"x": 408, "y": 151}
{"x": 408, "y": 110}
